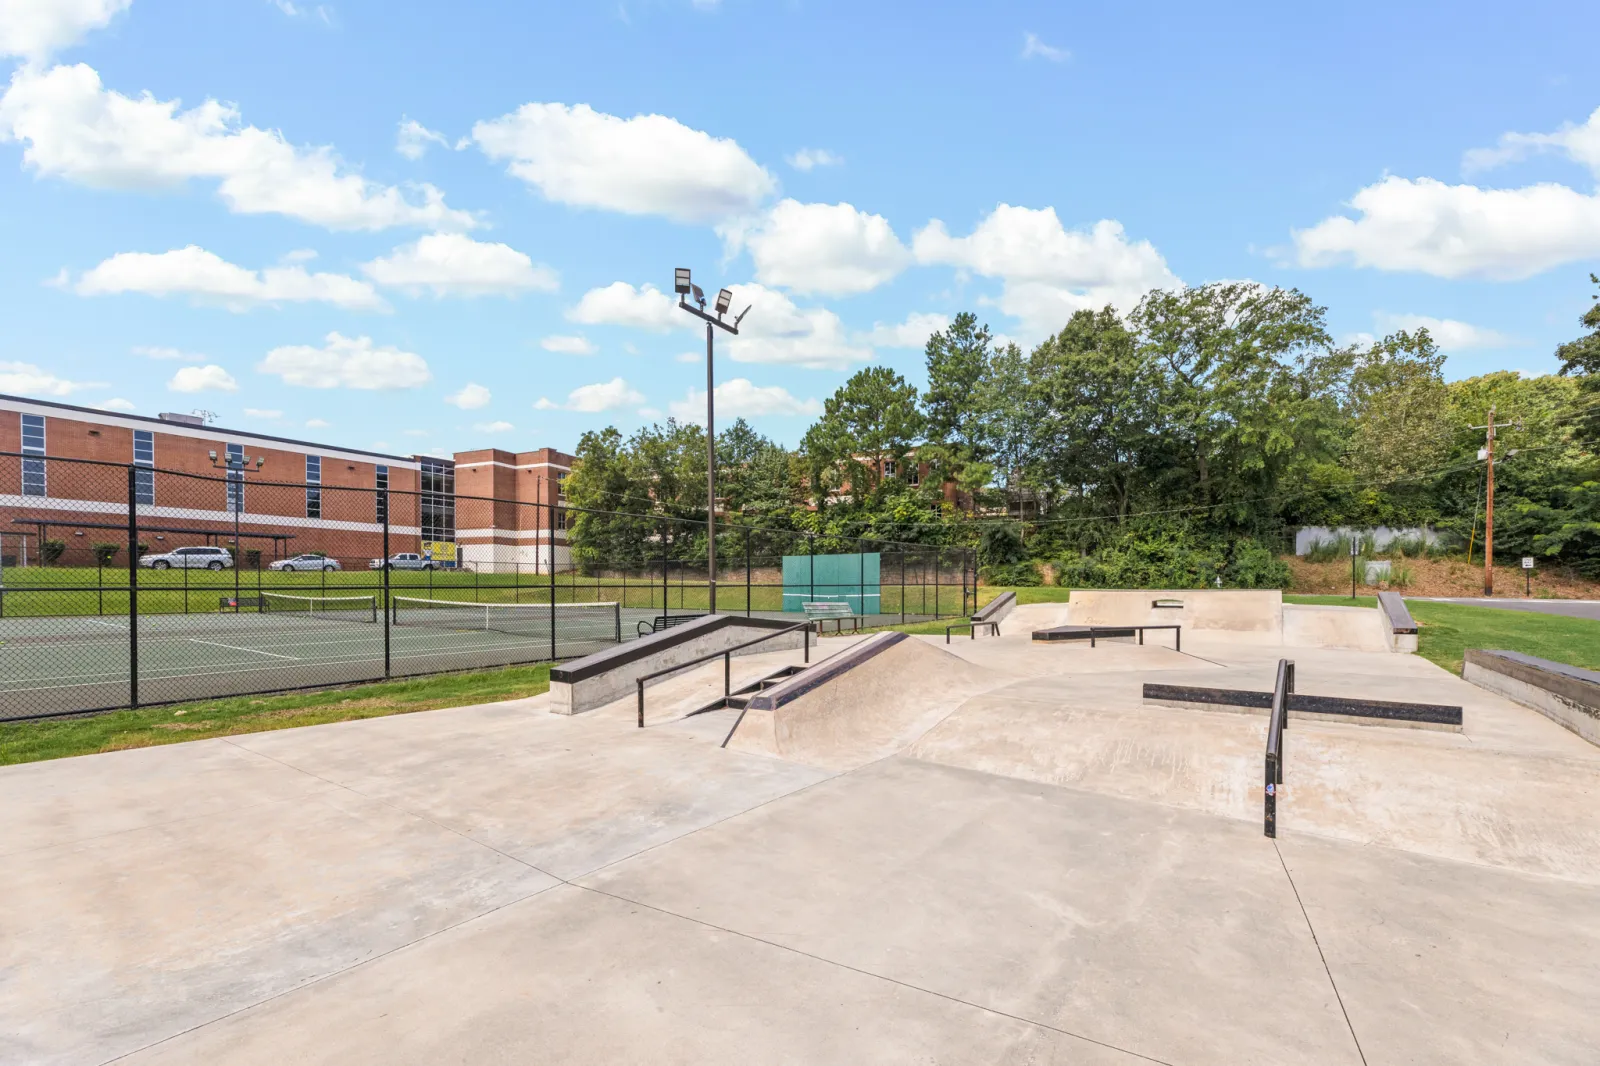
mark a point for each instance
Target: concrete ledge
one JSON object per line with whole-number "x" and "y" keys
{"x": 1402, "y": 627}
{"x": 997, "y": 609}
{"x": 830, "y": 668}
{"x": 1310, "y": 708}
{"x": 1055, "y": 633}
{"x": 1565, "y": 694}
{"x": 598, "y": 679}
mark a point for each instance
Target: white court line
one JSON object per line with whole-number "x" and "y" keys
{"x": 232, "y": 647}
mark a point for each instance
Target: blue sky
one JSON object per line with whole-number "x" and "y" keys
{"x": 426, "y": 227}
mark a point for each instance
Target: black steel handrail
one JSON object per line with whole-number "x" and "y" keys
{"x": 726, "y": 655}
{"x": 1282, "y": 687}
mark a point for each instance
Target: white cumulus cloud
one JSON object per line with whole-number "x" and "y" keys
{"x": 1457, "y": 231}
{"x": 912, "y": 333}
{"x": 593, "y": 399}
{"x": 413, "y": 139}
{"x": 349, "y": 362}
{"x": 1581, "y": 144}
{"x": 819, "y": 248}
{"x": 261, "y": 412}
{"x": 116, "y": 403}
{"x": 779, "y": 331}
{"x": 620, "y": 304}
{"x": 1050, "y": 271}
{"x": 740, "y": 398}
{"x": 567, "y": 344}
{"x": 811, "y": 158}
{"x": 28, "y": 380}
{"x": 471, "y": 397}
{"x": 35, "y": 29}
{"x": 209, "y": 378}
{"x": 1451, "y": 335}
{"x": 453, "y": 264}
{"x": 158, "y": 352}
{"x": 317, "y": 423}
{"x": 76, "y": 129}
{"x": 493, "y": 427}
{"x": 193, "y": 271}
{"x": 645, "y": 165}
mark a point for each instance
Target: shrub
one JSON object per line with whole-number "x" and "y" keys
{"x": 1253, "y": 566}
{"x": 105, "y": 551}
{"x": 1014, "y": 575}
{"x": 51, "y": 551}
{"x": 1401, "y": 577}
{"x": 1078, "y": 572}
{"x": 252, "y": 558}
{"x": 1001, "y": 545}
{"x": 1327, "y": 549}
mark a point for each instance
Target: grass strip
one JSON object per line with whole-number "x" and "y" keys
{"x": 62, "y": 737}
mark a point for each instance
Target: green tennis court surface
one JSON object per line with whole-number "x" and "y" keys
{"x": 54, "y": 665}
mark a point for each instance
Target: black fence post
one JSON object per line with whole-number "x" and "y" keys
{"x": 747, "y": 604}
{"x": 902, "y": 585}
{"x": 388, "y": 605}
{"x": 552, "y": 530}
{"x": 133, "y": 589}
{"x": 664, "y": 601}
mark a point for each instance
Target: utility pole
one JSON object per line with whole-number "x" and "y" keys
{"x": 1488, "y": 521}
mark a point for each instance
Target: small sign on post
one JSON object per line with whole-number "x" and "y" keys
{"x": 1527, "y": 575}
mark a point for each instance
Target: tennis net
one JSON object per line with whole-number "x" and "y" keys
{"x": 326, "y": 608}
{"x": 573, "y": 621}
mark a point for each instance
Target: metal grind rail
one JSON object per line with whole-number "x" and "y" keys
{"x": 1282, "y": 688}
{"x": 726, "y": 655}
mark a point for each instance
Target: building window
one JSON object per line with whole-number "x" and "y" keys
{"x": 383, "y": 494}
{"x": 915, "y": 477}
{"x": 33, "y": 483}
{"x": 313, "y": 486}
{"x": 561, "y": 484}
{"x": 438, "y": 501}
{"x": 144, "y": 459}
{"x": 235, "y": 478}
{"x": 888, "y": 468}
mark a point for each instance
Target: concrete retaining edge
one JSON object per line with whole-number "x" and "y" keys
{"x": 1567, "y": 695}
{"x": 821, "y": 673}
{"x": 598, "y": 679}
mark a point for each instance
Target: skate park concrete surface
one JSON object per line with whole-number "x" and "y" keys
{"x": 1041, "y": 869}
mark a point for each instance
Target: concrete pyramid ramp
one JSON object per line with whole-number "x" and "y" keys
{"x": 859, "y": 705}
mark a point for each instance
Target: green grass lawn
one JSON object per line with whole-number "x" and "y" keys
{"x": 58, "y": 738}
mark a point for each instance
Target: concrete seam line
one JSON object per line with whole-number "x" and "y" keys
{"x": 403, "y": 810}
{"x": 331, "y": 974}
{"x": 1318, "y": 945}
{"x": 868, "y": 973}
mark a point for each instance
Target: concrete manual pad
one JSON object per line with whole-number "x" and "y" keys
{"x": 1154, "y": 931}
{"x": 580, "y": 977}
{"x": 112, "y": 943}
{"x": 1446, "y": 964}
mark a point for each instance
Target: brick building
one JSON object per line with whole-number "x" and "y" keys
{"x": 300, "y": 496}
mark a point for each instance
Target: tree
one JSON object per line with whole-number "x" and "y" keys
{"x": 1583, "y": 354}
{"x": 870, "y": 421}
{"x": 1250, "y": 387}
{"x": 1398, "y": 401}
{"x": 958, "y": 363}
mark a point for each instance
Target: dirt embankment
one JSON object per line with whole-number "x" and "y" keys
{"x": 1440, "y": 577}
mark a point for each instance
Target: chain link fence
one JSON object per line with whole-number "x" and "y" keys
{"x": 125, "y": 585}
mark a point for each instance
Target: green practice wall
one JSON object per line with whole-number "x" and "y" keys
{"x": 851, "y": 579}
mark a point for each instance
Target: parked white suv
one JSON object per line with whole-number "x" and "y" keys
{"x": 189, "y": 559}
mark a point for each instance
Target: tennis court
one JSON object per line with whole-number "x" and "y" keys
{"x": 58, "y": 665}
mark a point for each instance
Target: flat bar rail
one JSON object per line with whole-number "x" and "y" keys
{"x": 1278, "y": 722}
{"x": 726, "y": 655}
{"x": 972, "y": 626}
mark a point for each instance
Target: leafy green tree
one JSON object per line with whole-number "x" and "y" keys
{"x": 1398, "y": 403}
{"x": 1583, "y": 355}
{"x": 870, "y": 421}
{"x": 958, "y": 362}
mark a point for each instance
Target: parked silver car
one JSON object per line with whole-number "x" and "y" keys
{"x": 403, "y": 561}
{"x": 189, "y": 559}
{"x": 305, "y": 561}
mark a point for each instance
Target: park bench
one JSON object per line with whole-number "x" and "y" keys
{"x": 839, "y": 612}
{"x": 664, "y": 621}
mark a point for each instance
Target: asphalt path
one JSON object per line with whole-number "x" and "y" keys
{"x": 1570, "y": 608}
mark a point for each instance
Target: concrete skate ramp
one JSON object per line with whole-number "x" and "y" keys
{"x": 1352, "y": 628}
{"x": 1236, "y": 611}
{"x": 860, "y": 705}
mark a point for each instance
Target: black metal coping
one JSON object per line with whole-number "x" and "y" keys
{"x": 996, "y": 605}
{"x": 1082, "y": 632}
{"x": 814, "y": 677}
{"x": 1432, "y": 713}
{"x": 1394, "y": 608}
{"x": 634, "y": 650}
{"x": 1572, "y": 683}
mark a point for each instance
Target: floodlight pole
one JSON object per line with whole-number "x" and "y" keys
{"x": 711, "y": 445}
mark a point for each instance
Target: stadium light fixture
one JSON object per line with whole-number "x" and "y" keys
{"x": 684, "y": 287}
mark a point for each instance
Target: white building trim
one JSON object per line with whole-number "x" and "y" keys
{"x": 191, "y": 514}
{"x": 510, "y": 466}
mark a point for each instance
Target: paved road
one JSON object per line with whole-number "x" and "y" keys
{"x": 1570, "y": 608}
